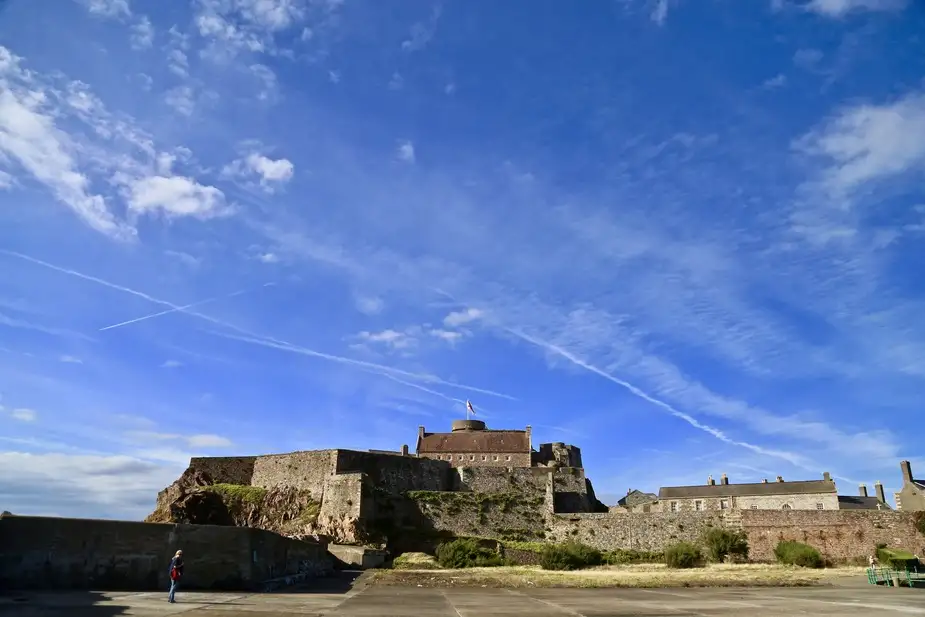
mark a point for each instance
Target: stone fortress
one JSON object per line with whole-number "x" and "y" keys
{"x": 475, "y": 481}
{"x": 252, "y": 521}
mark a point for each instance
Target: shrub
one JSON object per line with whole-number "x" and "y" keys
{"x": 466, "y": 553}
{"x": 570, "y": 556}
{"x": 722, "y": 543}
{"x": 897, "y": 559}
{"x": 415, "y": 561}
{"x": 792, "y": 553}
{"x": 624, "y": 556}
{"x": 683, "y": 555}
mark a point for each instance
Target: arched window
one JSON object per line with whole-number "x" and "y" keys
{"x": 786, "y": 506}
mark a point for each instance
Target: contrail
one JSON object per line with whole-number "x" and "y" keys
{"x": 179, "y": 309}
{"x": 791, "y": 458}
{"x": 257, "y": 339}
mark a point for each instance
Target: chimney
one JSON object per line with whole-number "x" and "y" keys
{"x": 826, "y": 476}
{"x": 723, "y": 479}
{"x": 878, "y": 489}
{"x": 780, "y": 478}
{"x": 420, "y": 432}
{"x": 764, "y": 481}
{"x": 907, "y": 472}
{"x": 711, "y": 481}
{"x": 863, "y": 490}
{"x": 529, "y": 435}
{"x": 404, "y": 450}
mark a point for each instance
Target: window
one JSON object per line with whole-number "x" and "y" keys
{"x": 723, "y": 504}
{"x": 674, "y": 506}
{"x": 508, "y": 457}
{"x": 820, "y": 506}
{"x": 754, "y": 507}
{"x": 786, "y": 506}
{"x": 471, "y": 457}
{"x": 460, "y": 457}
{"x": 698, "y": 505}
{"x": 496, "y": 457}
{"x": 484, "y": 458}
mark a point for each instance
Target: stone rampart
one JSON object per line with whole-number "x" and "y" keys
{"x": 395, "y": 473}
{"x": 226, "y": 469}
{"x": 303, "y": 470}
{"x": 500, "y": 479}
{"x": 511, "y": 515}
{"x": 60, "y": 553}
{"x": 839, "y": 535}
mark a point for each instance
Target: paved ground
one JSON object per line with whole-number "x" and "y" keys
{"x": 375, "y": 601}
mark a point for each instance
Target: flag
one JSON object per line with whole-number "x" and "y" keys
{"x": 469, "y": 407}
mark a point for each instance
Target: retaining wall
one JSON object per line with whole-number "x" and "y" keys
{"x": 60, "y": 553}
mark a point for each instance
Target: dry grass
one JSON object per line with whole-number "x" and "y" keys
{"x": 643, "y": 575}
{"x": 415, "y": 561}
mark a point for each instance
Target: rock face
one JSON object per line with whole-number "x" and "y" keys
{"x": 195, "y": 499}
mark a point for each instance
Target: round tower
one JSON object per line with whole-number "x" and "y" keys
{"x": 468, "y": 425}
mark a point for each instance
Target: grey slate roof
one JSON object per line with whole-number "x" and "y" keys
{"x": 800, "y": 487}
{"x": 856, "y": 502}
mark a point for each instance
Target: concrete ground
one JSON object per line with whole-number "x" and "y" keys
{"x": 387, "y": 601}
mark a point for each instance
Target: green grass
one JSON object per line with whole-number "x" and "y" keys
{"x": 240, "y": 492}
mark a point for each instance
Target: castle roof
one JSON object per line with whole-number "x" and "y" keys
{"x": 799, "y": 487}
{"x": 476, "y": 441}
{"x": 856, "y": 502}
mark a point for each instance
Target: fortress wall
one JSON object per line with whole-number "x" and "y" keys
{"x": 838, "y": 534}
{"x": 514, "y": 516}
{"x": 226, "y": 469}
{"x": 394, "y": 473}
{"x": 60, "y": 553}
{"x": 306, "y": 470}
{"x": 646, "y": 532}
{"x": 570, "y": 490}
{"x": 499, "y": 479}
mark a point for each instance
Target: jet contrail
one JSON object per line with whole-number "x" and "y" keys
{"x": 178, "y": 309}
{"x": 256, "y": 339}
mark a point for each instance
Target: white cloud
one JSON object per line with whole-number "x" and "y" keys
{"x": 267, "y": 78}
{"x": 208, "y": 441}
{"x": 109, "y": 8}
{"x": 778, "y": 81}
{"x": 176, "y": 196}
{"x": 807, "y": 58}
{"x": 6, "y": 180}
{"x": 406, "y": 151}
{"x": 171, "y": 364}
{"x": 181, "y": 99}
{"x": 460, "y": 318}
{"x": 29, "y": 136}
{"x": 24, "y": 414}
{"x": 450, "y": 336}
{"x": 272, "y": 174}
{"x": 369, "y": 305}
{"x": 142, "y": 33}
{"x": 178, "y": 63}
{"x": 334, "y": 77}
{"x": 396, "y": 82}
{"x": 390, "y": 338}
{"x": 869, "y": 142}
{"x": 105, "y": 486}
{"x": 268, "y": 258}
{"x": 660, "y": 12}
{"x": 841, "y": 8}
{"x": 70, "y": 359}
{"x": 422, "y": 32}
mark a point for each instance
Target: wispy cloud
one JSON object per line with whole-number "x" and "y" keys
{"x": 270, "y": 174}
{"x": 406, "y": 151}
{"x": 422, "y": 32}
{"x": 842, "y": 8}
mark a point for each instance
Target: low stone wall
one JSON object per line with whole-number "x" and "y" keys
{"x": 357, "y": 557}
{"x": 840, "y": 535}
{"x": 645, "y": 532}
{"x": 59, "y": 553}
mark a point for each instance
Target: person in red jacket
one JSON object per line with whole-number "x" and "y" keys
{"x": 176, "y": 571}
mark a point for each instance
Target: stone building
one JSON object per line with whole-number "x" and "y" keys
{"x": 911, "y": 498}
{"x": 764, "y": 495}
{"x": 471, "y": 444}
{"x": 863, "y": 501}
{"x": 637, "y": 500}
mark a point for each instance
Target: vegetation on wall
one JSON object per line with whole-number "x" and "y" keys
{"x": 683, "y": 555}
{"x": 245, "y": 494}
{"x": 793, "y": 553}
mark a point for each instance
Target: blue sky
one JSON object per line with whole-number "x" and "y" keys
{"x": 686, "y": 236}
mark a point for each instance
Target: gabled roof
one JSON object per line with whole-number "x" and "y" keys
{"x": 856, "y": 502}
{"x": 635, "y": 497}
{"x": 476, "y": 441}
{"x": 800, "y": 487}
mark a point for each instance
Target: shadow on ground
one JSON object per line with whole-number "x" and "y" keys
{"x": 342, "y": 581}
{"x": 65, "y": 604}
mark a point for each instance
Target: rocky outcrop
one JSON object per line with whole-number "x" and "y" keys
{"x": 195, "y": 499}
